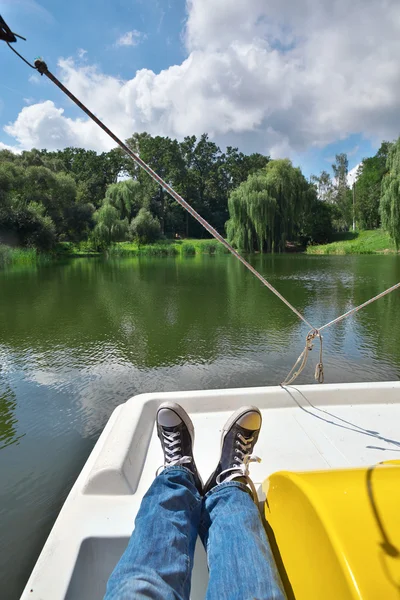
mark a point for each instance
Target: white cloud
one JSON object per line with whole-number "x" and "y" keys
{"x": 34, "y": 78}
{"x": 44, "y": 125}
{"x": 352, "y": 175}
{"x": 130, "y": 38}
{"x": 6, "y": 147}
{"x": 277, "y": 77}
{"x": 81, "y": 52}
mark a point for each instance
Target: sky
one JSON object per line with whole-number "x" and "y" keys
{"x": 303, "y": 79}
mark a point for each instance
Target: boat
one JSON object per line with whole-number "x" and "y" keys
{"x": 328, "y": 485}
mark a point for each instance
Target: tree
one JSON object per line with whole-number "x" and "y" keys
{"x": 201, "y": 184}
{"x": 390, "y": 199}
{"x": 252, "y": 211}
{"x": 73, "y": 183}
{"x": 144, "y": 227}
{"x": 369, "y": 186}
{"x": 26, "y": 225}
{"x": 267, "y": 209}
{"x": 109, "y": 227}
{"x": 164, "y": 156}
{"x": 324, "y": 186}
{"x": 93, "y": 171}
{"x": 126, "y": 196}
{"x": 317, "y": 227}
{"x": 342, "y": 197}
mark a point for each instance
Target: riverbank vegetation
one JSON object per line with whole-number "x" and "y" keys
{"x": 77, "y": 202}
{"x": 160, "y": 248}
{"x": 362, "y": 242}
{"x": 21, "y": 256}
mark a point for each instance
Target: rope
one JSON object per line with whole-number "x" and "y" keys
{"x": 20, "y": 55}
{"x": 319, "y": 369}
{"x": 354, "y": 310}
{"x": 313, "y": 333}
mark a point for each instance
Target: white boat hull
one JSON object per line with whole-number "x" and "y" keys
{"x": 304, "y": 428}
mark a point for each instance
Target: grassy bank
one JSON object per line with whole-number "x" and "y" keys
{"x": 364, "y": 242}
{"x": 30, "y": 256}
{"x": 168, "y": 248}
{"x": 161, "y": 248}
{"x": 21, "y": 256}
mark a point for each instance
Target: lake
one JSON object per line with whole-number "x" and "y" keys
{"x": 80, "y": 337}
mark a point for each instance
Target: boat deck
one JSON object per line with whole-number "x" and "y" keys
{"x": 304, "y": 428}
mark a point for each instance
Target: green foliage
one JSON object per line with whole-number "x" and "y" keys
{"x": 188, "y": 249}
{"x": 35, "y": 228}
{"x": 390, "y": 200}
{"x": 252, "y": 211}
{"x": 144, "y": 227}
{"x": 73, "y": 195}
{"x": 342, "y": 196}
{"x": 26, "y": 224}
{"x": 21, "y": 256}
{"x": 5, "y": 255}
{"x": 199, "y": 171}
{"x": 72, "y": 184}
{"x": 126, "y": 197}
{"x": 36, "y": 204}
{"x": 362, "y": 242}
{"x": 369, "y": 186}
{"x": 209, "y": 247}
{"x": 317, "y": 226}
{"x": 168, "y": 248}
{"x": 324, "y": 186}
{"x": 336, "y": 193}
{"x": 109, "y": 227}
{"x": 161, "y": 248}
{"x": 265, "y": 211}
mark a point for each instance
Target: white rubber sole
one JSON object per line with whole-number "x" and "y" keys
{"x": 182, "y": 414}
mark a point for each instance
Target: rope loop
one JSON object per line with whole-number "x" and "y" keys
{"x": 303, "y": 358}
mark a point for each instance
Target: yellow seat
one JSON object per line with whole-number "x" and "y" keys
{"x": 337, "y": 532}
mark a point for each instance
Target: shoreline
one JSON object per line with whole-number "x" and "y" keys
{"x": 364, "y": 242}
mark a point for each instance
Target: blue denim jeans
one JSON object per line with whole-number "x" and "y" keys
{"x": 158, "y": 561}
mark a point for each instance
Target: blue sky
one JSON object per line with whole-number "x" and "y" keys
{"x": 243, "y": 71}
{"x": 60, "y": 29}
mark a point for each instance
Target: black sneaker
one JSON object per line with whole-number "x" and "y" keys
{"x": 176, "y": 433}
{"x": 239, "y": 436}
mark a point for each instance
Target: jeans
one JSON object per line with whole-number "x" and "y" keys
{"x": 158, "y": 561}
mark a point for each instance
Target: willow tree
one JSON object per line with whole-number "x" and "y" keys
{"x": 390, "y": 198}
{"x": 266, "y": 210}
{"x": 252, "y": 214}
{"x": 126, "y": 196}
{"x": 109, "y": 227}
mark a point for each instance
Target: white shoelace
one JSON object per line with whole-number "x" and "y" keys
{"x": 242, "y": 460}
{"x": 173, "y": 450}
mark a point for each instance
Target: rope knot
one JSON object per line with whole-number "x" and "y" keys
{"x": 302, "y": 360}
{"x": 319, "y": 373}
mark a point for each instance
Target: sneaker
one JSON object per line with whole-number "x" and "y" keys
{"x": 176, "y": 433}
{"x": 239, "y": 436}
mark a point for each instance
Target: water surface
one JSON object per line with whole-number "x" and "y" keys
{"x": 77, "y": 339}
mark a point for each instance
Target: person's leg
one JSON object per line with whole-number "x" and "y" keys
{"x": 240, "y": 560}
{"x": 239, "y": 556}
{"x": 158, "y": 561}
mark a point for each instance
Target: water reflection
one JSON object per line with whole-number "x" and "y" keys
{"x": 8, "y": 419}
